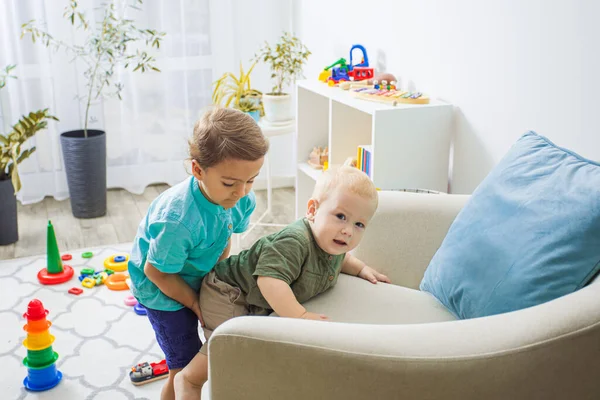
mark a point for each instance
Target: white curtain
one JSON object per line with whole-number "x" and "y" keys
{"x": 147, "y": 131}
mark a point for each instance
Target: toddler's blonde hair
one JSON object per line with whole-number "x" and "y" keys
{"x": 226, "y": 133}
{"x": 348, "y": 178}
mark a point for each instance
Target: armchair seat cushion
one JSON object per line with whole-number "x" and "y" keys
{"x": 357, "y": 301}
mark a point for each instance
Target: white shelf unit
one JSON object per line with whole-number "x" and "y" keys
{"x": 410, "y": 143}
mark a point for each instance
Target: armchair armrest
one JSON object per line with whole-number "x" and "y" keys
{"x": 405, "y": 233}
{"x": 550, "y": 351}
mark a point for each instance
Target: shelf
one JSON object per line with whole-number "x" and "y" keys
{"x": 344, "y": 97}
{"x": 410, "y": 143}
{"x": 310, "y": 171}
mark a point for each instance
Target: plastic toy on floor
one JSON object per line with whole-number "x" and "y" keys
{"x": 41, "y": 359}
{"x": 117, "y": 262}
{"x": 148, "y": 372}
{"x": 140, "y": 309}
{"x": 117, "y": 281}
{"x": 55, "y": 272}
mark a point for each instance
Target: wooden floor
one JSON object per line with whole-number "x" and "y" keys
{"x": 124, "y": 213}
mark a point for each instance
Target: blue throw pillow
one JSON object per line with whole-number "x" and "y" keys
{"x": 530, "y": 233}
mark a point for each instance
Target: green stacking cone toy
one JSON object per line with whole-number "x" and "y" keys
{"x": 55, "y": 272}
{"x": 54, "y": 263}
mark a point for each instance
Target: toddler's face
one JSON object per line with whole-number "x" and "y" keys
{"x": 339, "y": 222}
{"x": 227, "y": 182}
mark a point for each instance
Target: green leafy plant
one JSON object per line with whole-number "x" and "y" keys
{"x": 11, "y": 151}
{"x": 108, "y": 45}
{"x": 232, "y": 89}
{"x": 5, "y": 74}
{"x": 247, "y": 105}
{"x": 285, "y": 59}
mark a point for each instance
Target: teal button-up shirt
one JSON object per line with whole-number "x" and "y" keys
{"x": 183, "y": 233}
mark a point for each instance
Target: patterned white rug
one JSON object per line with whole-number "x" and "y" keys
{"x": 98, "y": 337}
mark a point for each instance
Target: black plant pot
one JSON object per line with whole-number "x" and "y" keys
{"x": 85, "y": 164}
{"x": 9, "y": 230}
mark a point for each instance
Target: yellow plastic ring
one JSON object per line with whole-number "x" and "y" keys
{"x": 121, "y": 266}
{"x": 88, "y": 282}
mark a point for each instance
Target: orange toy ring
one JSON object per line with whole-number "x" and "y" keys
{"x": 116, "y": 281}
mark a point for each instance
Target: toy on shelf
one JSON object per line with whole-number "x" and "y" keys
{"x": 336, "y": 72}
{"x": 390, "y": 96}
{"x": 318, "y": 157}
{"x": 360, "y": 71}
{"x": 341, "y": 71}
{"x": 55, "y": 272}
{"x": 148, "y": 372}
{"x": 117, "y": 262}
{"x": 41, "y": 358}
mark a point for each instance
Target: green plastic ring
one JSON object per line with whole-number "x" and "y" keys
{"x": 87, "y": 254}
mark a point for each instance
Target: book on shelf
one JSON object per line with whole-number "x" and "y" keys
{"x": 364, "y": 159}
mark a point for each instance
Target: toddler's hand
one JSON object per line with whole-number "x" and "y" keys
{"x": 196, "y": 309}
{"x": 369, "y": 274}
{"x": 313, "y": 316}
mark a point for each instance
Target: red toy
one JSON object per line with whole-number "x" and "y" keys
{"x": 362, "y": 73}
{"x": 148, "y": 372}
{"x": 76, "y": 291}
{"x": 66, "y": 257}
{"x": 55, "y": 272}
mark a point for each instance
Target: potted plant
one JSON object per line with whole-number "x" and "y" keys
{"x": 250, "y": 107}
{"x": 112, "y": 43}
{"x": 230, "y": 90}
{"x": 12, "y": 153}
{"x": 285, "y": 59}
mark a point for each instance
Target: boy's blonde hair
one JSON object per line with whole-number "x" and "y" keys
{"x": 226, "y": 133}
{"x": 348, "y": 178}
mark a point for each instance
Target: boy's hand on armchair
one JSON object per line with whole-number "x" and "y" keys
{"x": 369, "y": 274}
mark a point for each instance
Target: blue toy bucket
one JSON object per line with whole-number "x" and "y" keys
{"x": 38, "y": 380}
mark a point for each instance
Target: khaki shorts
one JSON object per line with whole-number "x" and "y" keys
{"x": 219, "y": 301}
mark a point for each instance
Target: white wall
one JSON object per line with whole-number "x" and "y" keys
{"x": 508, "y": 66}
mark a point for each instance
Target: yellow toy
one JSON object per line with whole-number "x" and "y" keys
{"x": 392, "y": 97}
{"x": 324, "y": 75}
{"x": 88, "y": 282}
{"x": 117, "y": 262}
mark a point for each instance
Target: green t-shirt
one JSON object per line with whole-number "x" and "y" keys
{"x": 291, "y": 255}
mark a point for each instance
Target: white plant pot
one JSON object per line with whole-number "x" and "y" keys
{"x": 278, "y": 108}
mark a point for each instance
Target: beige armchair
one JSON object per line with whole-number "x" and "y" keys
{"x": 395, "y": 342}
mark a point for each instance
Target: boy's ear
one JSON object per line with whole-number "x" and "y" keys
{"x": 311, "y": 209}
{"x": 197, "y": 170}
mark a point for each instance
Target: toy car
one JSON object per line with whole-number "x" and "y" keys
{"x": 148, "y": 372}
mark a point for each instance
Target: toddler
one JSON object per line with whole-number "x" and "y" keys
{"x": 287, "y": 268}
{"x": 187, "y": 230}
